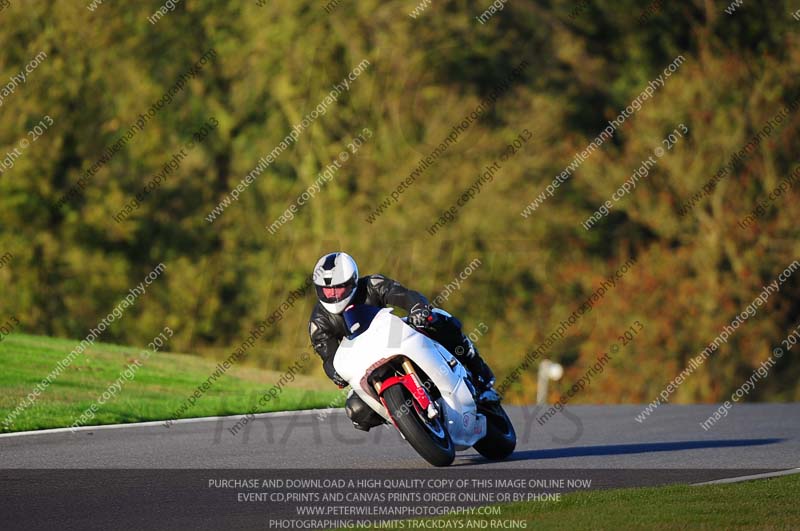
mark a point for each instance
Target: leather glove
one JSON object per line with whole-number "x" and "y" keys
{"x": 338, "y": 380}
{"x": 421, "y": 316}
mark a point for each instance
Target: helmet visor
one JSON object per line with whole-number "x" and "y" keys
{"x": 336, "y": 293}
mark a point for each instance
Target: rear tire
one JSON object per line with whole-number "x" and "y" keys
{"x": 435, "y": 448}
{"x": 500, "y": 439}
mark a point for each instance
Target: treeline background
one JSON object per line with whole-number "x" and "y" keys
{"x": 275, "y": 63}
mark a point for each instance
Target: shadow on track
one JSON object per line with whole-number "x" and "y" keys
{"x": 620, "y": 449}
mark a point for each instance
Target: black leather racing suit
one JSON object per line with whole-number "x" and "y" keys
{"x": 327, "y": 329}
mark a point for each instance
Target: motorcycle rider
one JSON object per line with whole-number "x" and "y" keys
{"x": 338, "y": 286}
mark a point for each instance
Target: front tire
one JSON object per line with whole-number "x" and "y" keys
{"x": 428, "y": 437}
{"x": 500, "y": 439}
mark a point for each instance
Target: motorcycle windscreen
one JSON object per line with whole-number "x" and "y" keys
{"x": 358, "y": 317}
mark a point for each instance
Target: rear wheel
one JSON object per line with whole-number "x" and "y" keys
{"x": 500, "y": 439}
{"x": 427, "y": 436}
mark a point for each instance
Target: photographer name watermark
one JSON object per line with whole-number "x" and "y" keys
{"x": 786, "y": 184}
{"x": 135, "y": 128}
{"x": 127, "y": 375}
{"x": 11, "y": 157}
{"x": 22, "y": 77}
{"x": 94, "y": 334}
{"x": 486, "y": 177}
{"x": 172, "y": 165}
{"x": 291, "y": 138}
{"x": 325, "y": 176}
{"x": 607, "y": 133}
{"x": 597, "y": 369}
{"x": 759, "y": 374}
{"x": 728, "y": 330}
{"x": 642, "y": 172}
{"x": 168, "y": 7}
{"x": 8, "y": 327}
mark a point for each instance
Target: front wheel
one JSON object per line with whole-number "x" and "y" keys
{"x": 427, "y": 436}
{"x": 500, "y": 439}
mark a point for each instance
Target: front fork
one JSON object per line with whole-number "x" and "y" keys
{"x": 411, "y": 381}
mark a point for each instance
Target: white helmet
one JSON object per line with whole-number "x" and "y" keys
{"x": 335, "y": 278}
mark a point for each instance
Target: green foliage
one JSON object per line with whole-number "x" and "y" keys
{"x": 275, "y": 63}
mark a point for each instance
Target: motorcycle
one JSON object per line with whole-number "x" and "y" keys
{"x": 416, "y": 384}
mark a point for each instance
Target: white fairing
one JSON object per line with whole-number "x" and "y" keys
{"x": 389, "y": 336}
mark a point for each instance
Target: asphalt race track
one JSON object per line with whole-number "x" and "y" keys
{"x": 142, "y": 487}
{"x": 752, "y": 436}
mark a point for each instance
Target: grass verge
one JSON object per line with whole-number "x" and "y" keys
{"x": 760, "y": 504}
{"x": 159, "y": 388}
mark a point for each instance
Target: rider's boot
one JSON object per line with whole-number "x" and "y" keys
{"x": 482, "y": 376}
